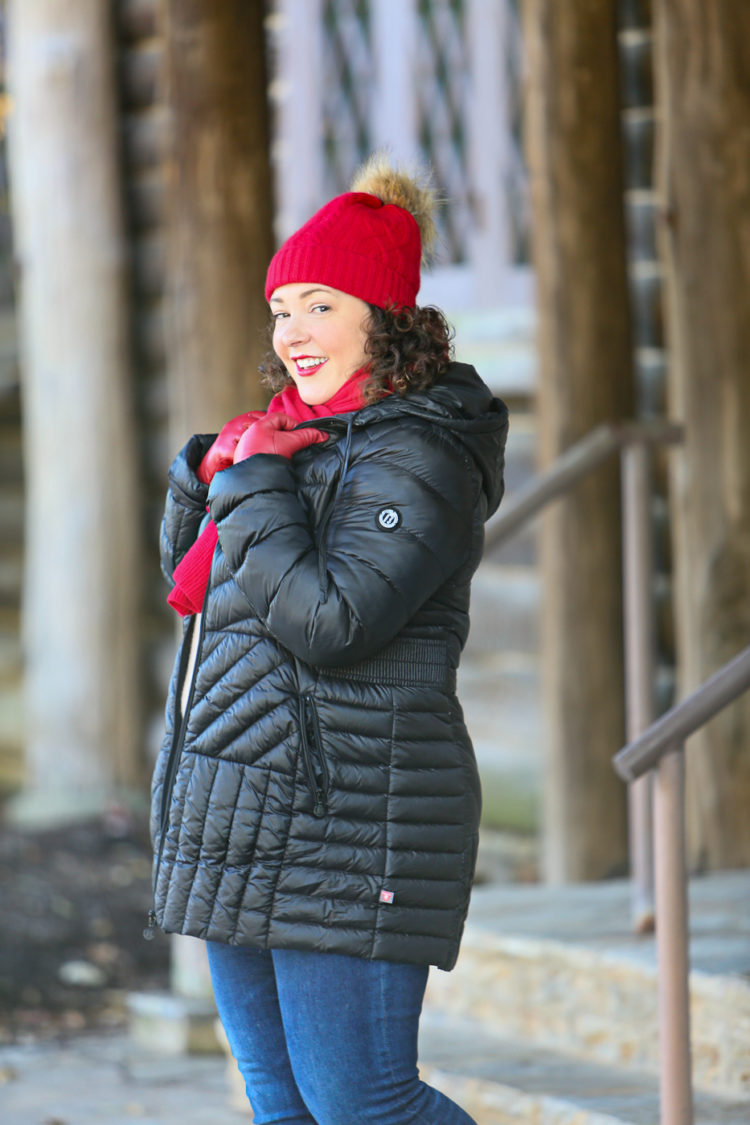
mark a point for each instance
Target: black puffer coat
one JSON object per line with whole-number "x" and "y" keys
{"x": 322, "y": 791}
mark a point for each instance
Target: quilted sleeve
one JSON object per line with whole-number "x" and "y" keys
{"x": 401, "y": 524}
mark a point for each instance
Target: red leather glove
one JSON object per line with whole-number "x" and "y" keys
{"x": 275, "y": 433}
{"x": 221, "y": 454}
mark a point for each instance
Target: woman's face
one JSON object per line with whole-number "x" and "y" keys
{"x": 319, "y": 335}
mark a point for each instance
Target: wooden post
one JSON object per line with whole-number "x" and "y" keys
{"x": 82, "y": 523}
{"x": 219, "y": 211}
{"x": 703, "y": 159}
{"x": 575, "y": 162}
{"x": 219, "y": 223}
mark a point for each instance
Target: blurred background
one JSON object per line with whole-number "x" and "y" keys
{"x": 595, "y": 260}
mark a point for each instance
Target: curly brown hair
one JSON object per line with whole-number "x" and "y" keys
{"x": 409, "y": 350}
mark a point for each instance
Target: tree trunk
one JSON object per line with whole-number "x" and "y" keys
{"x": 219, "y": 211}
{"x": 704, "y": 162}
{"x": 586, "y": 378}
{"x": 82, "y": 523}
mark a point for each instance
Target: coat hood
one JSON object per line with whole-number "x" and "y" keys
{"x": 463, "y": 403}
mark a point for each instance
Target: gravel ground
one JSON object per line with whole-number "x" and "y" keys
{"x": 74, "y": 904}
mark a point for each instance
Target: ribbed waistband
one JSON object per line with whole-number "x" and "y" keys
{"x": 408, "y": 661}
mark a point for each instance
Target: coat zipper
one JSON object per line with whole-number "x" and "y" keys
{"x": 171, "y": 771}
{"x": 313, "y": 755}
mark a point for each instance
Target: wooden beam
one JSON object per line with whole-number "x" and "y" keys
{"x": 585, "y": 380}
{"x": 703, "y": 160}
{"x": 219, "y": 211}
{"x": 137, "y": 19}
{"x": 82, "y": 522}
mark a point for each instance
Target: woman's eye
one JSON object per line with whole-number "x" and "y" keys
{"x": 276, "y": 317}
{"x": 322, "y": 308}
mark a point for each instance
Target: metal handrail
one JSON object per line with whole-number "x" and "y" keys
{"x": 660, "y": 748}
{"x": 674, "y": 726}
{"x": 659, "y": 858}
{"x": 575, "y": 463}
{"x": 633, "y": 441}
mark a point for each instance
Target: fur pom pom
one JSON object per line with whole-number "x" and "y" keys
{"x": 410, "y": 189}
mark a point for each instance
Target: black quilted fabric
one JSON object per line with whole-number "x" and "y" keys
{"x": 322, "y": 792}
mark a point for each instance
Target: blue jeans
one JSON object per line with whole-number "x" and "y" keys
{"x": 324, "y": 1039}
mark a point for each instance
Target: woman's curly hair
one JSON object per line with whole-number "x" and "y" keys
{"x": 409, "y": 350}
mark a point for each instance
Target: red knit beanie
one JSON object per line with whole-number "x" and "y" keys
{"x": 367, "y": 242}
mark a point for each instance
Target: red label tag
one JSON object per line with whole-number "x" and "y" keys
{"x": 386, "y": 896}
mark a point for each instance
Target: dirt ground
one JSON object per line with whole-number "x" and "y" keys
{"x": 73, "y": 906}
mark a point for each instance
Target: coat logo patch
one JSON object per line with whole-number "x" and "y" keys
{"x": 386, "y": 896}
{"x": 389, "y": 519}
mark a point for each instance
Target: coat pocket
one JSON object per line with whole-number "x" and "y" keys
{"x": 316, "y": 766}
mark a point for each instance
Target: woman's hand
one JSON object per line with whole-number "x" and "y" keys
{"x": 275, "y": 433}
{"x": 221, "y": 453}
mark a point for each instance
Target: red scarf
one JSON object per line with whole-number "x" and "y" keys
{"x": 192, "y": 573}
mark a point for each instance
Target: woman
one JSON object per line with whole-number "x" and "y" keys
{"x": 316, "y": 803}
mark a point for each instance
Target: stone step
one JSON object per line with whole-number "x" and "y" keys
{"x": 499, "y": 679}
{"x": 521, "y": 449}
{"x": 505, "y": 609}
{"x": 501, "y": 343}
{"x": 560, "y": 968}
{"x": 506, "y": 857}
{"x": 520, "y": 467}
{"x": 505, "y": 1082}
{"x": 501, "y": 698}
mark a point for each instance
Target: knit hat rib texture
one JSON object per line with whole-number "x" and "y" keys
{"x": 360, "y": 243}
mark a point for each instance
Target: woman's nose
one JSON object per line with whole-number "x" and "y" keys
{"x": 293, "y": 331}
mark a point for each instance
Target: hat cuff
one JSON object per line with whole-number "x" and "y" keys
{"x": 370, "y": 280}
